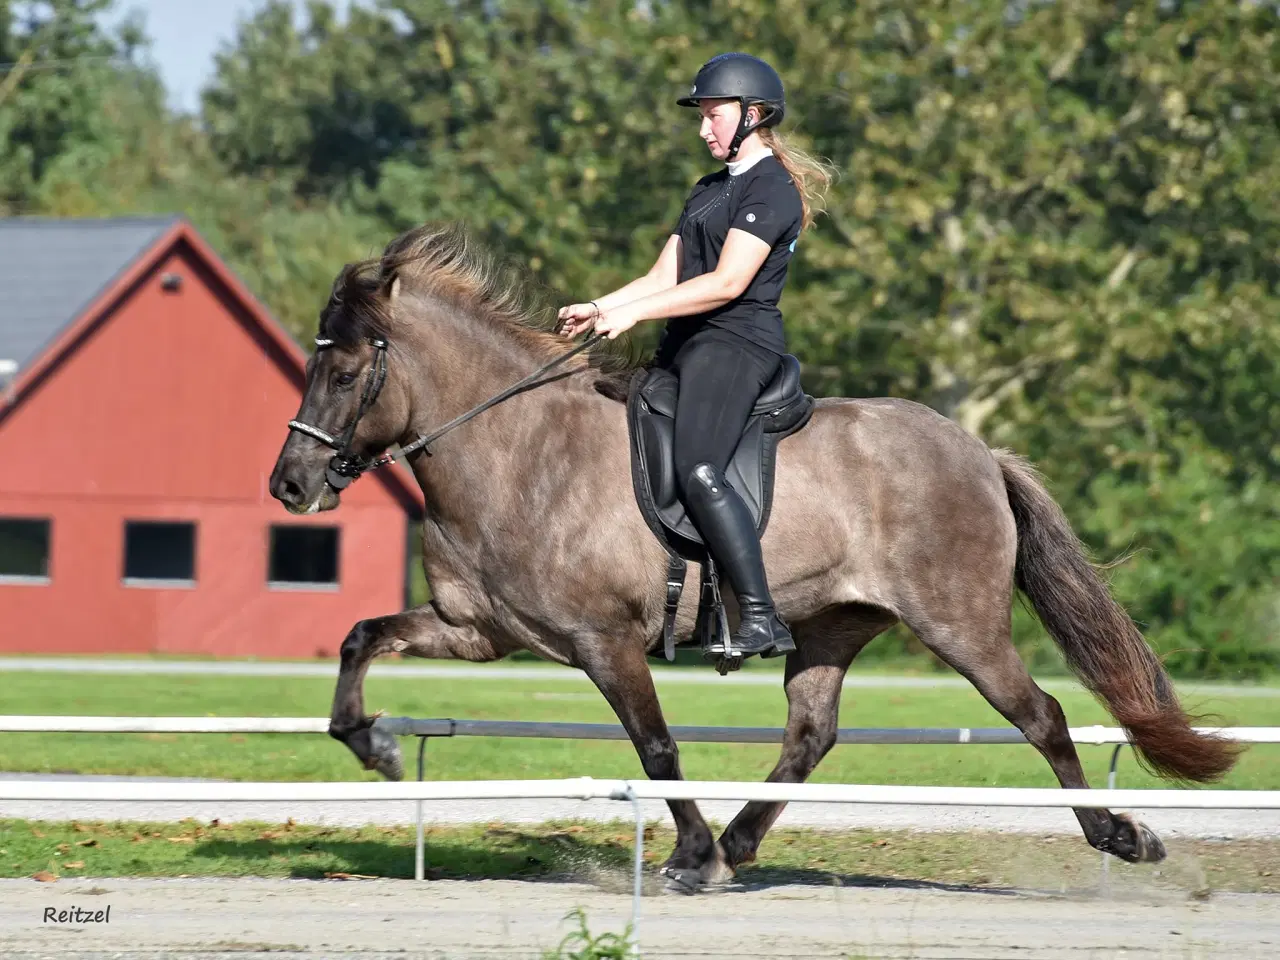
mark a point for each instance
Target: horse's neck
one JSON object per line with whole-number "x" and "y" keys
{"x": 476, "y": 468}
{"x": 462, "y": 366}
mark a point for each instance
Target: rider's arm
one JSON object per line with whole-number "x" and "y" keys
{"x": 740, "y": 260}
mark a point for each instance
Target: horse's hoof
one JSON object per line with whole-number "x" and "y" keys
{"x": 682, "y": 880}
{"x": 385, "y": 756}
{"x": 1150, "y": 847}
{"x": 1134, "y": 842}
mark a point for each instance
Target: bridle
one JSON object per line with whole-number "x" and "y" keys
{"x": 345, "y": 466}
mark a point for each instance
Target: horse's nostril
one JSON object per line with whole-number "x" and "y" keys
{"x": 292, "y": 492}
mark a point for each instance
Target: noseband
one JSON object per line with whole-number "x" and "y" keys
{"x": 345, "y": 466}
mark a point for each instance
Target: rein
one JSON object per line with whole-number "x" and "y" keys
{"x": 345, "y": 466}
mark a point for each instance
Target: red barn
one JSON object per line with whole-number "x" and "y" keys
{"x": 144, "y": 396}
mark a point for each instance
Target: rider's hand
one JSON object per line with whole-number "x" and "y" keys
{"x": 616, "y": 320}
{"x": 577, "y": 318}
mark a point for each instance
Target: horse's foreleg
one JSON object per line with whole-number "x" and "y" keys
{"x": 623, "y": 677}
{"x": 814, "y": 676}
{"x": 420, "y": 633}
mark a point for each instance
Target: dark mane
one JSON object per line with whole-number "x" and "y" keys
{"x": 446, "y": 262}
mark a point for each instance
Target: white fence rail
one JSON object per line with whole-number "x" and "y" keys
{"x": 588, "y": 788}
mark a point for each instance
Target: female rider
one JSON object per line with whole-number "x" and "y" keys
{"x": 717, "y": 282}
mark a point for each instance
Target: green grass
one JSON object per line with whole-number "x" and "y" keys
{"x": 317, "y": 757}
{"x": 602, "y": 853}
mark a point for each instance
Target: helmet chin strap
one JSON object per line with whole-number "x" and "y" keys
{"x": 744, "y": 128}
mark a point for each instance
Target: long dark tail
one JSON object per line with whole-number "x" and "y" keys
{"x": 1099, "y": 640}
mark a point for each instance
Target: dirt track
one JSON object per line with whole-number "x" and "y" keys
{"x": 457, "y": 919}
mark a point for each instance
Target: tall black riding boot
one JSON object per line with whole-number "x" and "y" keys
{"x": 729, "y": 533}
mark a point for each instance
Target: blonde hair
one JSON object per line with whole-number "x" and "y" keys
{"x": 811, "y": 175}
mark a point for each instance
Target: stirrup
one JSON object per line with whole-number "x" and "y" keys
{"x": 713, "y": 623}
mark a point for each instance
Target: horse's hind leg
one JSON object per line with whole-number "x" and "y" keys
{"x": 420, "y": 633}
{"x": 814, "y": 676}
{"x": 982, "y": 651}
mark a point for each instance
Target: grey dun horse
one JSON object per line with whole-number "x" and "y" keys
{"x": 884, "y": 511}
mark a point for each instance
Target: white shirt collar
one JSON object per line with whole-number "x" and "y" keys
{"x": 742, "y": 166}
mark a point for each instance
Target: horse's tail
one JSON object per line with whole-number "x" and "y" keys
{"x": 1100, "y": 643}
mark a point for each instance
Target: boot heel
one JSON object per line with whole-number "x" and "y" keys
{"x": 782, "y": 645}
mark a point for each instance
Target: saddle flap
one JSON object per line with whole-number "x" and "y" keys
{"x": 657, "y": 443}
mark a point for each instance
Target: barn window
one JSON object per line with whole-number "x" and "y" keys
{"x": 159, "y": 553}
{"x": 303, "y": 557}
{"x": 24, "y": 550}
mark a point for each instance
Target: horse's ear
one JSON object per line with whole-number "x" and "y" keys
{"x": 393, "y": 289}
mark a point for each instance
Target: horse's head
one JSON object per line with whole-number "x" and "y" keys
{"x": 353, "y": 405}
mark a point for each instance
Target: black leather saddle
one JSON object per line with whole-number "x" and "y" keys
{"x": 782, "y": 409}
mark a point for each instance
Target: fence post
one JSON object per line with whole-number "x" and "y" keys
{"x": 639, "y": 871}
{"x": 1111, "y": 785}
{"x": 419, "y": 853}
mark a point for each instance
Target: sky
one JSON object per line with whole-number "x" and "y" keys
{"x": 185, "y": 35}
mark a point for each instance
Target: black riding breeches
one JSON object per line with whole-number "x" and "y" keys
{"x": 721, "y": 377}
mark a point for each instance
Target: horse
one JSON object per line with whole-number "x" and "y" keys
{"x": 884, "y": 511}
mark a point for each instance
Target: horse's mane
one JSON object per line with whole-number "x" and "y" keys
{"x": 445, "y": 261}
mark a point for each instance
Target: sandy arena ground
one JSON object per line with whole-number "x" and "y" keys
{"x": 459, "y": 919}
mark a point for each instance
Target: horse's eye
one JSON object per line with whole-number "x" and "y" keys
{"x": 345, "y": 379}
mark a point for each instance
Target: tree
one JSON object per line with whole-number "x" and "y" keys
{"x": 63, "y": 71}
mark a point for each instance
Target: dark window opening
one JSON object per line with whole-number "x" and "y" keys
{"x": 24, "y": 547}
{"x": 159, "y": 550}
{"x": 304, "y": 555}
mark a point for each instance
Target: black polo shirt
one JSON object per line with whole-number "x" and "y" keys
{"x": 763, "y": 201}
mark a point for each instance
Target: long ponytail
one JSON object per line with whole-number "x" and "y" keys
{"x": 811, "y": 176}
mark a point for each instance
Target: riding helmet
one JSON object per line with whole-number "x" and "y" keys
{"x": 741, "y": 77}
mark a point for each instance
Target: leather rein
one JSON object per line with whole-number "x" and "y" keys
{"x": 346, "y": 466}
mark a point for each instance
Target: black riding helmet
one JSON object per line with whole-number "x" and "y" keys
{"x": 741, "y": 77}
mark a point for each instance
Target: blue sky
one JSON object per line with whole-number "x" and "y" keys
{"x": 186, "y": 34}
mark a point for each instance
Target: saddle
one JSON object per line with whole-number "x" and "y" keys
{"x": 782, "y": 409}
